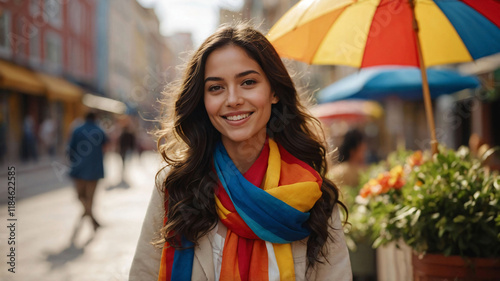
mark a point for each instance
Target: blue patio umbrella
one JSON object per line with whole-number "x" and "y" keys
{"x": 376, "y": 83}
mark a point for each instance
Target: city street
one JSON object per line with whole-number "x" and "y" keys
{"x": 48, "y": 211}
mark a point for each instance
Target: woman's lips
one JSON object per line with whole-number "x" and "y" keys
{"x": 237, "y": 118}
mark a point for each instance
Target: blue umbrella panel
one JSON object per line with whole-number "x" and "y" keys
{"x": 376, "y": 83}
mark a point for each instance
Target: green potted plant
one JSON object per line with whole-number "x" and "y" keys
{"x": 446, "y": 208}
{"x": 359, "y": 234}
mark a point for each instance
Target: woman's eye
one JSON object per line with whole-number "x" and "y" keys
{"x": 248, "y": 82}
{"x": 214, "y": 88}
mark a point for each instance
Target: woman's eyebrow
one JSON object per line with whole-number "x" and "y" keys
{"x": 239, "y": 75}
{"x": 213, "y": 79}
{"x": 245, "y": 73}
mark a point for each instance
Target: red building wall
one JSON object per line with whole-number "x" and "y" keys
{"x": 36, "y": 21}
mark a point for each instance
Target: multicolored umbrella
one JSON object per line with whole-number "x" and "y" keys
{"x": 362, "y": 33}
{"x": 378, "y": 82}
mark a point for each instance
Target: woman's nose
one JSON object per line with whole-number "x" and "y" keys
{"x": 234, "y": 98}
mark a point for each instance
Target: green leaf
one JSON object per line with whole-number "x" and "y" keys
{"x": 488, "y": 153}
{"x": 378, "y": 242}
{"x": 476, "y": 195}
{"x": 496, "y": 184}
{"x": 459, "y": 219}
{"x": 441, "y": 232}
{"x": 415, "y": 218}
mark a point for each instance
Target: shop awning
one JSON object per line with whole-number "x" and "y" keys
{"x": 105, "y": 104}
{"x": 20, "y": 79}
{"x": 60, "y": 89}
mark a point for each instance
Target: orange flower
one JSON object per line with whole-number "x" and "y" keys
{"x": 365, "y": 191}
{"x": 416, "y": 159}
{"x": 396, "y": 181}
{"x": 399, "y": 183}
{"x": 383, "y": 179}
{"x": 376, "y": 189}
{"x": 384, "y": 182}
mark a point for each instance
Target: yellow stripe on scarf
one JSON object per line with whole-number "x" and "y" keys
{"x": 300, "y": 196}
{"x": 284, "y": 258}
{"x": 221, "y": 210}
{"x": 272, "y": 177}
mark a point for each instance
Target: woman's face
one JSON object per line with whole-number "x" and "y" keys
{"x": 237, "y": 95}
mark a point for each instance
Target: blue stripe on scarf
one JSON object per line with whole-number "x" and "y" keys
{"x": 182, "y": 266}
{"x": 269, "y": 218}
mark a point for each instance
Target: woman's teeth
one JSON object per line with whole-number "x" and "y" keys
{"x": 237, "y": 117}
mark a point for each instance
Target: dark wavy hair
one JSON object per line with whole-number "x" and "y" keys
{"x": 187, "y": 142}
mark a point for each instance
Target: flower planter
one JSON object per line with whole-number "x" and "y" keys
{"x": 440, "y": 268}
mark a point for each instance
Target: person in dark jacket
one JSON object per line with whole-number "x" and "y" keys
{"x": 127, "y": 146}
{"x": 86, "y": 160}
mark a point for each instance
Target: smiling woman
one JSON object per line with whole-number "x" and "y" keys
{"x": 245, "y": 196}
{"x": 238, "y": 101}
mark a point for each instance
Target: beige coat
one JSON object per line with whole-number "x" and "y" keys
{"x": 146, "y": 261}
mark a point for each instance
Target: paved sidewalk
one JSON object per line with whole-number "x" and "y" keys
{"x": 46, "y": 223}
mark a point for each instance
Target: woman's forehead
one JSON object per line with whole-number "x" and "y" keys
{"x": 230, "y": 60}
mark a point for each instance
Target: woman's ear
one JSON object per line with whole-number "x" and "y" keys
{"x": 275, "y": 99}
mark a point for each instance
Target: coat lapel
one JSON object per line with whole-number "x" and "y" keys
{"x": 203, "y": 267}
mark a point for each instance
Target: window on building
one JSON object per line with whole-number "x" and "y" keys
{"x": 53, "y": 12}
{"x": 76, "y": 11}
{"x": 4, "y": 32}
{"x": 21, "y": 38}
{"x": 53, "y": 51}
{"x": 35, "y": 7}
{"x": 75, "y": 61}
{"x": 34, "y": 43}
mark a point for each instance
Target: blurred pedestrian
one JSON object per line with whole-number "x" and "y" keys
{"x": 48, "y": 135}
{"x": 126, "y": 143}
{"x": 29, "y": 142}
{"x": 245, "y": 195}
{"x": 86, "y": 160}
{"x": 352, "y": 159}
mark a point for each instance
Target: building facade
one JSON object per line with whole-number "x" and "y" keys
{"x": 46, "y": 44}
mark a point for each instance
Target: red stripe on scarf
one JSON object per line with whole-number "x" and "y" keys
{"x": 245, "y": 247}
{"x": 258, "y": 169}
{"x": 167, "y": 259}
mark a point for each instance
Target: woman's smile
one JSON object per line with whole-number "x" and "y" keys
{"x": 237, "y": 116}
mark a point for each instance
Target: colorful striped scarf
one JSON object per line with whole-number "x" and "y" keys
{"x": 269, "y": 203}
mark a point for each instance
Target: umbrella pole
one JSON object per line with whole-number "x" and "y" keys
{"x": 425, "y": 85}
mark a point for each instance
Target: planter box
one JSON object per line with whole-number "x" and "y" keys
{"x": 440, "y": 268}
{"x": 394, "y": 263}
